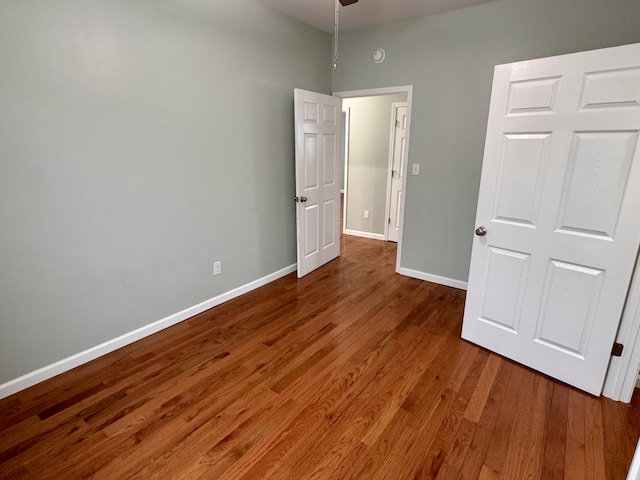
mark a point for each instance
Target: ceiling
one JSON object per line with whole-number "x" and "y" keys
{"x": 320, "y": 13}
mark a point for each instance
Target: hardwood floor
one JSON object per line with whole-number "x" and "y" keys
{"x": 353, "y": 372}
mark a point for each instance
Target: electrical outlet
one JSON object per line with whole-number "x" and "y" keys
{"x": 366, "y": 214}
{"x": 217, "y": 268}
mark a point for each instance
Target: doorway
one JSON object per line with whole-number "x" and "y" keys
{"x": 371, "y": 178}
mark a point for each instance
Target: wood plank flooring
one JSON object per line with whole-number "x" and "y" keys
{"x": 353, "y": 372}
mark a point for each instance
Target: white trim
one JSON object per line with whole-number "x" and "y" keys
{"x": 408, "y": 89}
{"x": 634, "y": 470}
{"x": 449, "y": 282}
{"x": 44, "y": 373}
{"x": 358, "y": 233}
{"x": 373, "y": 92}
{"x": 622, "y": 376}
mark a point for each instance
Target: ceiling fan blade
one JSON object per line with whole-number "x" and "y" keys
{"x": 346, "y": 3}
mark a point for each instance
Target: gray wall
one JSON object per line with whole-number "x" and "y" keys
{"x": 449, "y": 59}
{"x": 139, "y": 142}
{"x": 367, "y": 173}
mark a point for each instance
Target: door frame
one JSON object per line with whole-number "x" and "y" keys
{"x": 622, "y": 375}
{"x": 374, "y": 92}
{"x": 345, "y": 132}
{"x": 345, "y": 167}
{"x": 394, "y": 110}
{"x": 634, "y": 469}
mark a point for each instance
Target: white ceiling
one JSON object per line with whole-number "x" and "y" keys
{"x": 320, "y": 13}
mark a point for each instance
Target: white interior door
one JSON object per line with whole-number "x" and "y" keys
{"x": 560, "y": 201}
{"x": 317, "y": 178}
{"x": 398, "y": 151}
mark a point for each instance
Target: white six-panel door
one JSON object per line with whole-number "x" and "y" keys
{"x": 398, "y": 151}
{"x": 317, "y": 145}
{"x": 560, "y": 201}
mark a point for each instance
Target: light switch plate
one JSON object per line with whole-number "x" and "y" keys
{"x": 415, "y": 169}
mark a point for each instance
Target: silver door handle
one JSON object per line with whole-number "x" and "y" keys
{"x": 481, "y": 231}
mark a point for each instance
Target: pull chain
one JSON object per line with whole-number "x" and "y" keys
{"x": 336, "y": 52}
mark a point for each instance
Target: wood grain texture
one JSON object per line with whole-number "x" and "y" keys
{"x": 352, "y": 372}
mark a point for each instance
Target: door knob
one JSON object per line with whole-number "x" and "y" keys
{"x": 301, "y": 199}
{"x": 481, "y": 231}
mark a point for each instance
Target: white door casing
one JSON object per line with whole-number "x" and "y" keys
{"x": 345, "y": 164}
{"x": 408, "y": 89}
{"x": 398, "y": 150}
{"x": 559, "y": 198}
{"x": 317, "y": 144}
{"x": 634, "y": 470}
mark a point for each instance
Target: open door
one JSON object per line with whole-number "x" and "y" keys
{"x": 398, "y": 150}
{"x": 317, "y": 139}
{"x": 558, "y": 228}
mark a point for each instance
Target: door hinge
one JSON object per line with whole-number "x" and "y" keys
{"x": 389, "y": 221}
{"x": 617, "y": 349}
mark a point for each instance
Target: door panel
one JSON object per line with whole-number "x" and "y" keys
{"x": 395, "y": 218}
{"x": 527, "y": 97}
{"x": 612, "y": 89}
{"x": 523, "y": 159}
{"x": 317, "y": 179}
{"x": 311, "y": 235}
{"x": 548, "y": 282}
{"x": 310, "y": 161}
{"x": 330, "y": 114}
{"x": 504, "y": 285}
{"x": 329, "y": 161}
{"x": 597, "y": 178}
{"x": 329, "y": 227}
{"x": 570, "y": 296}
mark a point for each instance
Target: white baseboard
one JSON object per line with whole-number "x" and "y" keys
{"x": 358, "y": 233}
{"x": 449, "y": 282}
{"x": 44, "y": 373}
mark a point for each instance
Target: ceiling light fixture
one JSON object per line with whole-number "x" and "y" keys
{"x": 336, "y": 45}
